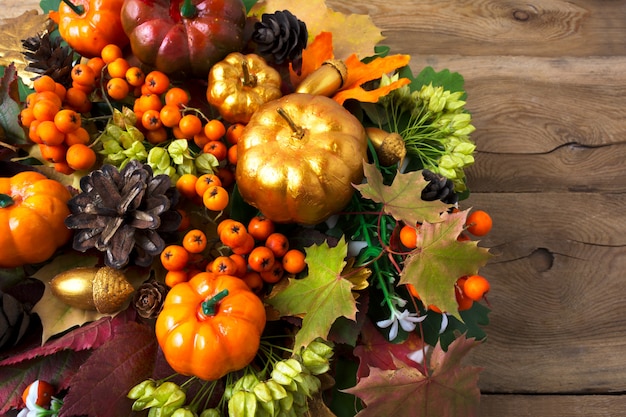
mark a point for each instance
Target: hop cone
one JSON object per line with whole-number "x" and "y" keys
{"x": 282, "y": 36}
{"x": 124, "y": 213}
{"x": 439, "y": 188}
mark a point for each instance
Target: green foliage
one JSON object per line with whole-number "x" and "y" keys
{"x": 49, "y": 5}
{"x": 451, "y": 81}
{"x": 10, "y": 107}
{"x": 322, "y": 296}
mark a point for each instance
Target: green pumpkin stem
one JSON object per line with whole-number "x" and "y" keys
{"x": 78, "y": 9}
{"x": 297, "y": 130}
{"x": 209, "y": 306}
{"x": 187, "y": 9}
{"x": 6, "y": 200}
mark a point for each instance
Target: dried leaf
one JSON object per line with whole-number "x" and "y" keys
{"x": 10, "y": 109}
{"x": 12, "y": 32}
{"x": 100, "y": 386}
{"x": 447, "y": 390}
{"x": 318, "y": 51}
{"x": 354, "y": 33}
{"x": 440, "y": 259}
{"x": 402, "y": 199}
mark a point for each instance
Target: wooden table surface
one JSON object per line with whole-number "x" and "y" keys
{"x": 546, "y": 83}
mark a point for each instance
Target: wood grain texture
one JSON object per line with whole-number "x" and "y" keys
{"x": 552, "y": 406}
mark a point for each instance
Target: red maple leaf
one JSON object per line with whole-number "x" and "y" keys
{"x": 446, "y": 390}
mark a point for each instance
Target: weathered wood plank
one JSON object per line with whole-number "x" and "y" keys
{"x": 552, "y": 406}
{"x": 498, "y": 27}
{"x": 557, "y": 293}
{"x": 570, "y": 167}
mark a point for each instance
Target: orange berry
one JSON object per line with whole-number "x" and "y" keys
{"x": 205, "y": 181}
{"x": 60, "y": 91}
{"x": 45, "y": 110}
{"x": 214, "y": 129}
{"x": 260, "y": 227}
{"x": 170, "y": 115}
{"x": 278, "y": 243}
{"x": 224, "y": 265}
{"x": 111, "y": 52}
{"x": 79, "y": 135}
{"x": 294, "y": 261}
{"x": 117, "y": 88}
{"x": 44, "y": 83}
{"x": 118, "y": 67}
{"x": 53, "y": 153}
{"x": 215, "y": 198}
{"x": 150, "y": 119}
{"x": 245, "y": 247}
{"x": 156, "y": 136}
{"x": 148, "y": 102}
{"x": 83, "y": 74}
{"x": 26, "y": 116}
{"x": 49, "y": 133}
{"x": 77, "y": 99}
{"x": 157, "y": 82}
{"x": 253, "y": 280}
{"x": 80, "y": 157}
{"x": 176, "y": 277}
{"x": 274, "y": 274}
{"x": 261, "y": 259}
{"x": 234, "y": 132}
{"x": 216, "y": 148}
{"x": 241, "y": 263}
{"x": 67, "y": 120}
{"x": 135, "y": 76}
{"x": 195, "y": 241}
{"x": 479, "y": 223}
{"x": 408, "y": 236}
{"x": 176, "y": 96}
{"x": 96, "y": 64}
{"x": 190, "y": 125}
{"x": 476, "y": 287}
{"x": 186, "y": 185}
{"x": 232, "y": 155}
{"x": 63, "y": 168}
{"x": 174, "y": 257}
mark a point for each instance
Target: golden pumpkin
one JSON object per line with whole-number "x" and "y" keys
{"x": 298, "y": 158}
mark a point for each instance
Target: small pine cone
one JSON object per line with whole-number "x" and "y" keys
{"x": 47, "y": 56}
{"x": 439, "y": 188}
{"x": 149, "y": 297}
{"x": 14, "y": 320}
{"x": 282, "y": 36}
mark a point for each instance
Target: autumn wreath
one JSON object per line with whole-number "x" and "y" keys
{"x": 213, "y": 208}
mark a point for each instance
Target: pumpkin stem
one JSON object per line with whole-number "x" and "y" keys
{"x": 78, "y": 9}
{"x": 248, "y": 79}
{"x": 187, "y": 10}
{"x": 5, "y": 200}
{"x": 299, "y": 132}
{"x": 209, "y": 306}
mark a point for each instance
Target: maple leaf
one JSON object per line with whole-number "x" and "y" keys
{"x": 58, "y": 369}
{"x": 354, "y": 33}
{"x": 447, "y": 390}
{"x": 403, "y": 198}
{"x": 322, "y": 296}
{"x": 12, "y": 31}
{"x": 90, "y": 336}
{"x": 440, "y": 259}
{"x": 100, "y": 386}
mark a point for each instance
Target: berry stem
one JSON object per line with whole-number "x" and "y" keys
{"x": 78, "y": 9}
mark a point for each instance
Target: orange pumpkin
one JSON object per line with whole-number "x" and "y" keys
{"x": 89, "y": 25}
{"x": 210, "y": 326}
{"x": 32, "y": 213}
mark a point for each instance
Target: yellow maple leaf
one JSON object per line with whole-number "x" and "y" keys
{"x": 12, "y": 32}
{"x": 353, "y": 33}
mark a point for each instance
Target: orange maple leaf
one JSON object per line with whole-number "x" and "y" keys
{"x": 321, "y": 49}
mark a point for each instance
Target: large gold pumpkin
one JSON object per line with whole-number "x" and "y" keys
{"x": 298, "y": 158}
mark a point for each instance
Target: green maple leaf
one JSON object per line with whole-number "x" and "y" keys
{"x": 403, "y": 198}
{"x": 447, "y": 390}
{"x": 440, "y": 259}
{"x": 322, "y": 296}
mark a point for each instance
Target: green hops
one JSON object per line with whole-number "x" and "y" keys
{"x": 164, "y": 400}
{"x": 292, "y": 381}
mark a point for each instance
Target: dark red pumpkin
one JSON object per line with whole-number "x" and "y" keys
{"x": 183, "y": 36}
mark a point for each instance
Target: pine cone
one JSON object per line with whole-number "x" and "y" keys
{"x": 14, "y": 320}
{"x": 149, "y": 297}
{"x": 439, "y": 188}
{"x": 282, "y": 36}
{"x": 46, "y": 56}
{"x": 124, "y": 213}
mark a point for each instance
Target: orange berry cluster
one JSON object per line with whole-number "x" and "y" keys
{"x": 208, "y": 190}
{"x": 467, "y": 288}
{"x": 257, "y": 254}
{"x": 52, "y": 115}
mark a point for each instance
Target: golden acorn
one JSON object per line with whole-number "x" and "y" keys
{"x": 102, "y": 289}
{"x": 326, "y": 80}
{"x": 390, "y": 147}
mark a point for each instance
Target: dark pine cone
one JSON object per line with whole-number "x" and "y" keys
{"x": 14, "y": 320}
{"x": 282, "y": 36}
{"x": 149, "y": 297}
{"x": 124, "y": 213}
{"x": 439, "y": 188}
{"x": 47, "y": 56}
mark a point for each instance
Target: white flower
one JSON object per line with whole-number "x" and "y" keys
{"x": 405, "y": 319}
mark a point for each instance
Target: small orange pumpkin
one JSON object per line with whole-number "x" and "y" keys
{"x": 210, "y": 326}
{"x": 32, "y": 213}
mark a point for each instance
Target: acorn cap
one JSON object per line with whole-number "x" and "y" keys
{"x": 390, "y": 147}
{"x": 111, "y": 290}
